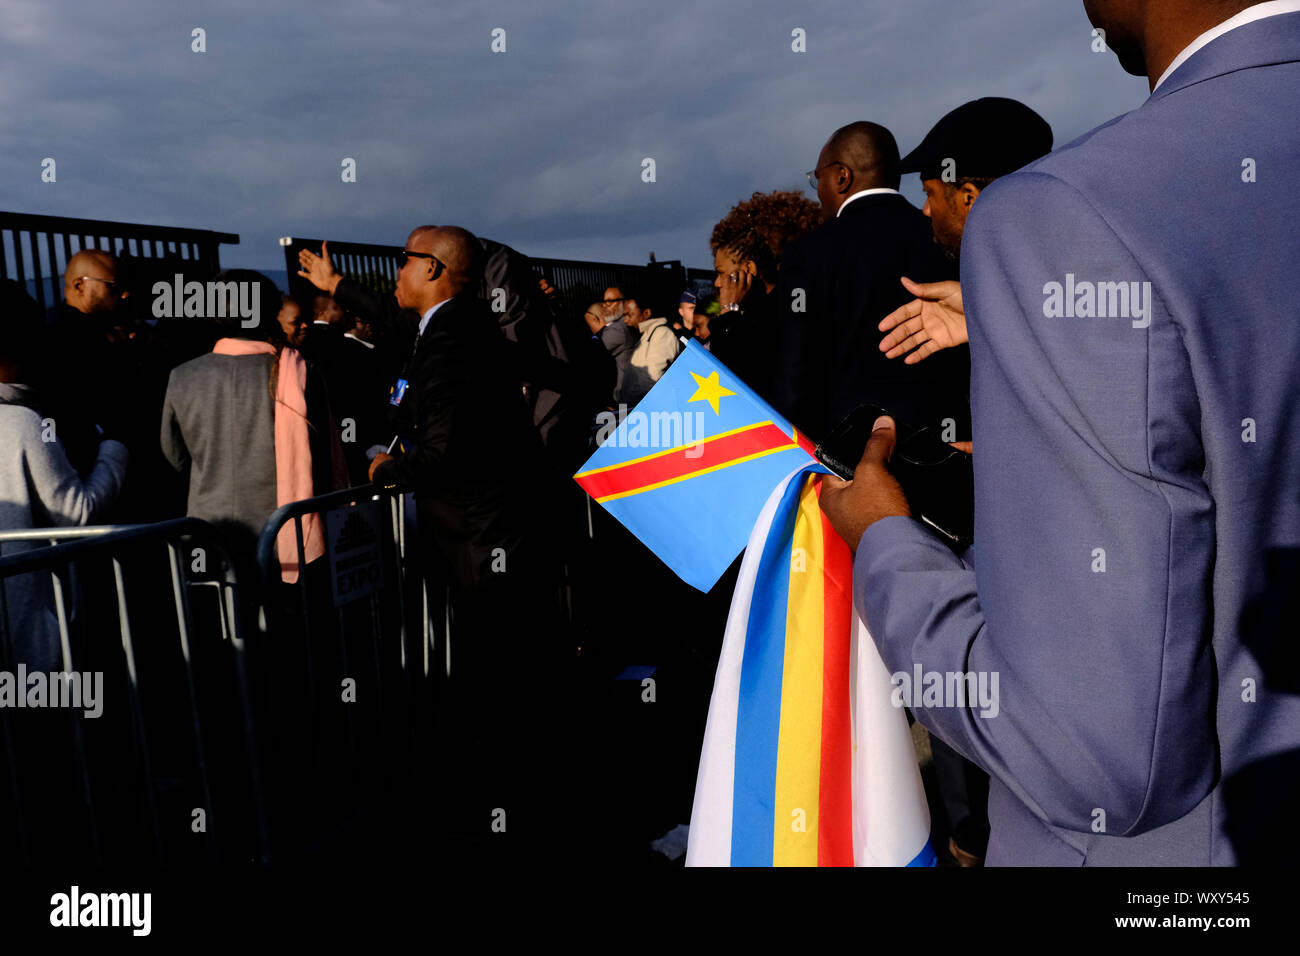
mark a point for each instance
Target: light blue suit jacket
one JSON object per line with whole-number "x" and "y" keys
{"x": 1136, "y": 578}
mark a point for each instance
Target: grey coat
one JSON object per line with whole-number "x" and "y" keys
{"x": 218, "y": 422}
{"x": 1137, "y": 543}
{"x": 40, "y": 489}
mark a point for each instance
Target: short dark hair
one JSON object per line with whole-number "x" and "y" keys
{"x": 979, "y": 182}
{"x": 637, "y": 291}
{"x": 270, "y": 298}
{"x": 869, "y": 150}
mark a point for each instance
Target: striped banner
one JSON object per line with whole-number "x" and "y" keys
{"x": 782, "y": 780}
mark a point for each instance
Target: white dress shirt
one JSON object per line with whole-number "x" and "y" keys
{"x": 864, "y": 192}
{"x": 1270, "y": 8}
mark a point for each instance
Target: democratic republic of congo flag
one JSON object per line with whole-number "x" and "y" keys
{"x": 805, "y": 762}
{"x": 688, "y": 470}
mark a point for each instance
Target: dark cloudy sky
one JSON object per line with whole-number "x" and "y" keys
{"x": 539, "y": 147}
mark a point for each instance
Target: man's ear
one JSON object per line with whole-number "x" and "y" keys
{"x": 844, "y": 179}
{"x": 750, "y": 267}
{"x": 969, "y": 193}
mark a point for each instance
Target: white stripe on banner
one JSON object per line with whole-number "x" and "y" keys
{"x": 708, "y": 841}
{"x": 891, "y": 821}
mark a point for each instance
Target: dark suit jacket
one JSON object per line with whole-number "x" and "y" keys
{"x": 828, "y": 356}
{"x": 470, "y": 453}
{"x": 93, "y": 376}
{"x": 537, "y": 349}
{"x": 358, "y": 393}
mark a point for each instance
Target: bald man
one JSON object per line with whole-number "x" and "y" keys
{"x": 90, "y": 283}
{"x": 509, "y": 285}
{"x": 469, "y": 453}
{"x": 837, "y": 282}
{"x": 98, "y": 379}
{"x": 108, "y": 373}
{"x": 460, "y": 416}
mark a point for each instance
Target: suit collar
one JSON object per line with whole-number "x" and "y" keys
{"x": 864, "y": 194}
{"x": 862, "y": 203}
{"x": 429, "y": 313}
{"x": 1263, "y": 42}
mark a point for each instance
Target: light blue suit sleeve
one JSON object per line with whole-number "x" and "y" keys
{"x": 1090, "y": 593}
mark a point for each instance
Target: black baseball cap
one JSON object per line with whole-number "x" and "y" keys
{"x": 985, "y": 139}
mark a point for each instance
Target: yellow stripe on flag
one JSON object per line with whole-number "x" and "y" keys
{"x": 798, "y": 759}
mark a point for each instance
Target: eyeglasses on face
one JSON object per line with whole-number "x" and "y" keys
{"x": 813, "y": 174}
{"x": 111, "y": 283}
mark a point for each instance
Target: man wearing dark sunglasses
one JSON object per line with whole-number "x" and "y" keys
{"x": 509, "y": 286}
{"x": 466, "y": 448}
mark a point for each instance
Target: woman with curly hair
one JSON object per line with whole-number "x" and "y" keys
{"x": 747, "y": 246}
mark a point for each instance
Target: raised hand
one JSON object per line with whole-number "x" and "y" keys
{"x": 318, "y": 269}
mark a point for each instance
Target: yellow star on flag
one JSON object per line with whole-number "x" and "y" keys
{"x": 710, "y": 390}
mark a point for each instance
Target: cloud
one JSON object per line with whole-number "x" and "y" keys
{"x": 540, "y": 146}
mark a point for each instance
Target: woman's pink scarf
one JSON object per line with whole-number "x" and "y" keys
{"x": 293, "y": 471}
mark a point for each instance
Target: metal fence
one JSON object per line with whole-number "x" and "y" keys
{"x": 579, "y": 282}
{"x": 35, "y": 250}
{"x": 173, "y": 694}
{"x": 283, "y": 712}
{"x": 353, "y": 680}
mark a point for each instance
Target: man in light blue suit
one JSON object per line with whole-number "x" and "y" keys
{"x": 1135, "y": 391}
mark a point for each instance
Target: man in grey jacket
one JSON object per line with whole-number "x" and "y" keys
{"x": 1135, "y": 350}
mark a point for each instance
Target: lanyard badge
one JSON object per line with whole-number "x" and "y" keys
{"x": 397, "y": 391}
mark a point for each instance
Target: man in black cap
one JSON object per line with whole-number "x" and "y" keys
{"x": 969, "y": 148}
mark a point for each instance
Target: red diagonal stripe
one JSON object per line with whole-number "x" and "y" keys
{"x": 835, "y": 805}
{"x": 806, "y": 443}
{"x": 684, "y": 461}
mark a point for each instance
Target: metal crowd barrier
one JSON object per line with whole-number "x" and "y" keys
{"x": 346, "y": 686}
{"x": 204, "y": 789}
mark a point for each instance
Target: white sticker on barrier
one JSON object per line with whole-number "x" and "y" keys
{"x": 356, "y": 563}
